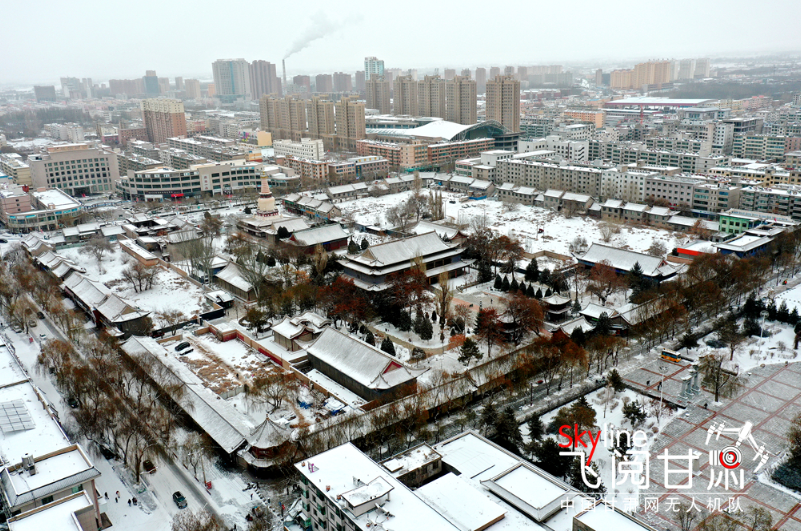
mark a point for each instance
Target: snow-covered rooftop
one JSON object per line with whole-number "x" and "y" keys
{"x": 461, "y": 503}
{"x": 363, "y": 363}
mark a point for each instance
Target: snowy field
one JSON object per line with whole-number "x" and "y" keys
{"x": 775, "y": 348}
{"x": 170, "y": 292}
{"x": 521, "y": 223}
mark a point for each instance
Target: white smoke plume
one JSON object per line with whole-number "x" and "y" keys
{"x": 320, "y": 26}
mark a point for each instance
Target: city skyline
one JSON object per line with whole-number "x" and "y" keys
{"x": 325, "y": 41}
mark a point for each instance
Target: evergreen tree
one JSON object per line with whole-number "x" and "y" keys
{"x": 530, "y": 290}
{"x": 362, "y": 329}
{"x": 538, "y": 295}
{"x": 548, "y": 293}
{"x": 271, "y": 261}
{"x": 248, "y": 211}
{"x": 488, "y": 416}
{"x": 434, "y": 316}
{"x": 353, "y": 247}
{"x": 404, "y": 321}
{"x": 635, "y": 413}
{"x": 532, "y": 271}
{"x": 427, "y": 330}
{"x": 514, "y": 286}
{"x": 507, "y": 431}
{"x": 498, "y": 283}
{"x": 783, "y": 313}
{"x": 794, "y": 316}
{"x": 469, "y": 351}
{"x": 282, "y": 233}
{"x": 604, "y": 325}
{"x": 505, "y": 286}
{"x": 484, "y": 271}
{"x": 535, "y": 428}
{"x": 547, "y": 456}
{"x": 574, "y": 477}
{"x": 751, "y": 327}
{"x": 370, "y": 338}
{"x": 522, "y": 288}
{"x": 387, "y": 346}
{"x": 576, "y": 307}
{"x": 635, "y": 278}
{"x": 578, "y": 336}
{"x": 615, "y": 380}
{"x": 418, "y": 323}
{"x": 365, "y": 244}
{"x": 545, "y": 277}
{"x": 772, "y": 310}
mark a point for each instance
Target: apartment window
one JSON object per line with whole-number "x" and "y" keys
{"x": 47, "y": 499}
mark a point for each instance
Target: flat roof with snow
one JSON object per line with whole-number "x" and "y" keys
{"x": 462, "y": 503}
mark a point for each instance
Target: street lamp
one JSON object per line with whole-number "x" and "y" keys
{"x": 763, "y": 314}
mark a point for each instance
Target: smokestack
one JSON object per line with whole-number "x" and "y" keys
{"x": 283, "y": 66}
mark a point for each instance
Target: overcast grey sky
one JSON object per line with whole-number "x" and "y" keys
{"x": 84, "y": 38}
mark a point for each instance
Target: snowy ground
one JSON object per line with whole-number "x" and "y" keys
{"x": 608, "y": 408}
{"x": 170, "y": 291}
{"x": 521, "y": 223}
{"x": 775, "y": 348}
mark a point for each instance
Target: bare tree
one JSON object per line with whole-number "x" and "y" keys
{"x": 97, "y": 246}
{"x": 142, "y": 277}
{"x": 657, "y": 248}
{"x": 172, "y": 318}
{"x": 400, "y": 216}
{"x": 272, "y": 389}
{"x": 202, "y": 520}
{"x": 607, "y": 231}
{"x": 724, "y": 382}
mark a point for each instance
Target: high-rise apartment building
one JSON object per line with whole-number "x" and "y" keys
{"x": 360, "y": 77}
{"x": 164, "y": 85}
{"x": 192, "y": 89}
{"x": 652, "y": 73}
{"x": 263, "y": 79}
{"x": 164, "y": 118}
{"x": 620, "y": 79}
{"x": 151, "y": 81}
{"x": 231, "y": 79}
{"x": 509, "y": 71}
{"x": 503, "y": 102}
{"x": 481, "y": 80}
{"x": 599, "y": 77}
{"x": 342, "y": 82}
{"x": 522, "y": 73}
{"x": 45, "y": 93}
{"x": 461, "y": 100}
{"x": 283, "y": 117}
{"x": 179, "y": 83}
{"x": 701, "y": 68}
{"x": 130, "y": 87}
{"x": 431, "y": 97}
{"x": 377, "y": 88}
{"x": 302, "y": 81}
{"x": 323, "y": 83}
{"x": 465, "y": 73}
{"x": 684, "y": 69}
{"x": 320, "y": 115}
{"x": 373, "y": 67}
{"x": 494, "y": 72}
{"x": 350, "y": 122}
{"x": 405, "y": 97}
{"x": 450, "y": 73}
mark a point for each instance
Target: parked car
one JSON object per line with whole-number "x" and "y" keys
{"x": 185, "y": 352}
{"x": 40, "y": 315}
{"x": 715, "y": 343}
{"x": 105, "y": 451}
{"x": 16, "y": 328}
{"x": 181, "y": 346}
{"x": 149, "y": 467}
{"x": 31, "y": 323}
{"x": 3, "y": 240}
{"x": 72, "y": 402}
{"x": 179, "y": 499}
